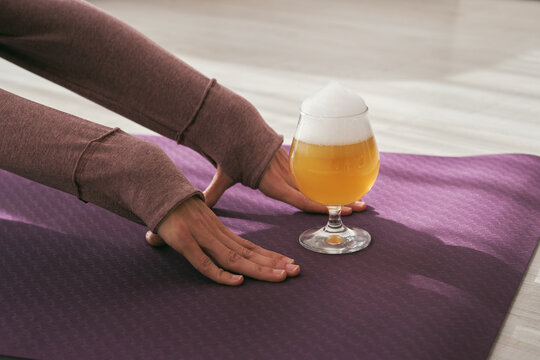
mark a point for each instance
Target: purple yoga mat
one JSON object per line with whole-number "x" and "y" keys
{"x": 452, "y": 238}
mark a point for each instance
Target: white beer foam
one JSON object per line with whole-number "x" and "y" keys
{"x": 334, "y": 100}
{"x": 327, "y": 120}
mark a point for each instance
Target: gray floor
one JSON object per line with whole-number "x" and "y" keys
{"x": 444, "y": 77}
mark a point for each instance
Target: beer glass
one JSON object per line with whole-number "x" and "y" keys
{"x": 334, "y": 161}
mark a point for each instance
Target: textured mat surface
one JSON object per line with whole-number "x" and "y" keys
{"x": 452, "y": 238}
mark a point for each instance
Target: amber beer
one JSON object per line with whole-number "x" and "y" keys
{"x": 334, "y": 174}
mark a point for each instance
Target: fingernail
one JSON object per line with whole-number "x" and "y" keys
{"x": 279, "y": 272}
{"x": 288, "y": 260}
{"x": 359, "y": 203}
{"x": 236, "y": 277}
{"x": 291, "y": 267}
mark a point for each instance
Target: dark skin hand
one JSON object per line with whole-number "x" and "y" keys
{"x": 196, "y": 232}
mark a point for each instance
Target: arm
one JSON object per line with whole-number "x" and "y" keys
{"x": 119, "y": 172}
{"x": 82, "y": 48}
{"x": 132, "y": 178}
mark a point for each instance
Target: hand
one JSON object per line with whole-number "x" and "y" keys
{"x": 277, "y": 183}
{"x": 195, "y": 231}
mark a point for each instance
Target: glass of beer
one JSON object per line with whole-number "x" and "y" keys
{"x": 334, "y": 161}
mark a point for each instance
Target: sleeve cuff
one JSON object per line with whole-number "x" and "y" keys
{"x": 230, "y": 132}
{"x": 133, "y": 178}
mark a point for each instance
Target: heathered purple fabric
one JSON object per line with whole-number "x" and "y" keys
{"x": 452, "y": 238}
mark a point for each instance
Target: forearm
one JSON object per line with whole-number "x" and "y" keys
{"x": 84, "y": 49}
{"x": 105, "y": 166}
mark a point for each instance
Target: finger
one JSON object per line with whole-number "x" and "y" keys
{"x": 357, "y": 206}
{"x": 218, "y": 241}
{"x": 234, "y": 261}
{"x": 215, "y": 226}
{"x": 220, "y": 183}
{"x": 231, "y": 255}
{"x": 154, "y": 239}
{"x": 295, "y": 198}
{"x": 278, "y": 262}
{"x": 252, "y": 251}
{"x": 260, "y": 256}
{"x": 276, "y": 187}
{"x": 200, "y": 261}
{"x": 277, "y": 257}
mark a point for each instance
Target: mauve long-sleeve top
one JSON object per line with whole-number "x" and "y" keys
{"x": 82, "y": 48}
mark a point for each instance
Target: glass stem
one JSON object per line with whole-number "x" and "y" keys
{"x": 334, "y": 220}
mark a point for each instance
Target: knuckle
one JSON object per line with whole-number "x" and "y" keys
{"x": 233, "y": 257}
{"x": 249, "y": 245}
{"x": 274, "y": 262}
{"x": 205, "y": 262}
{"x": 246, "y": 253}
{"x": 219, "y": 274}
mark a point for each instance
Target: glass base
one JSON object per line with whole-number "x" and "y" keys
{"x": 345, "y": 241}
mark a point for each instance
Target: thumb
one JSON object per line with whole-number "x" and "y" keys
{"x": 220, "y": 183}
